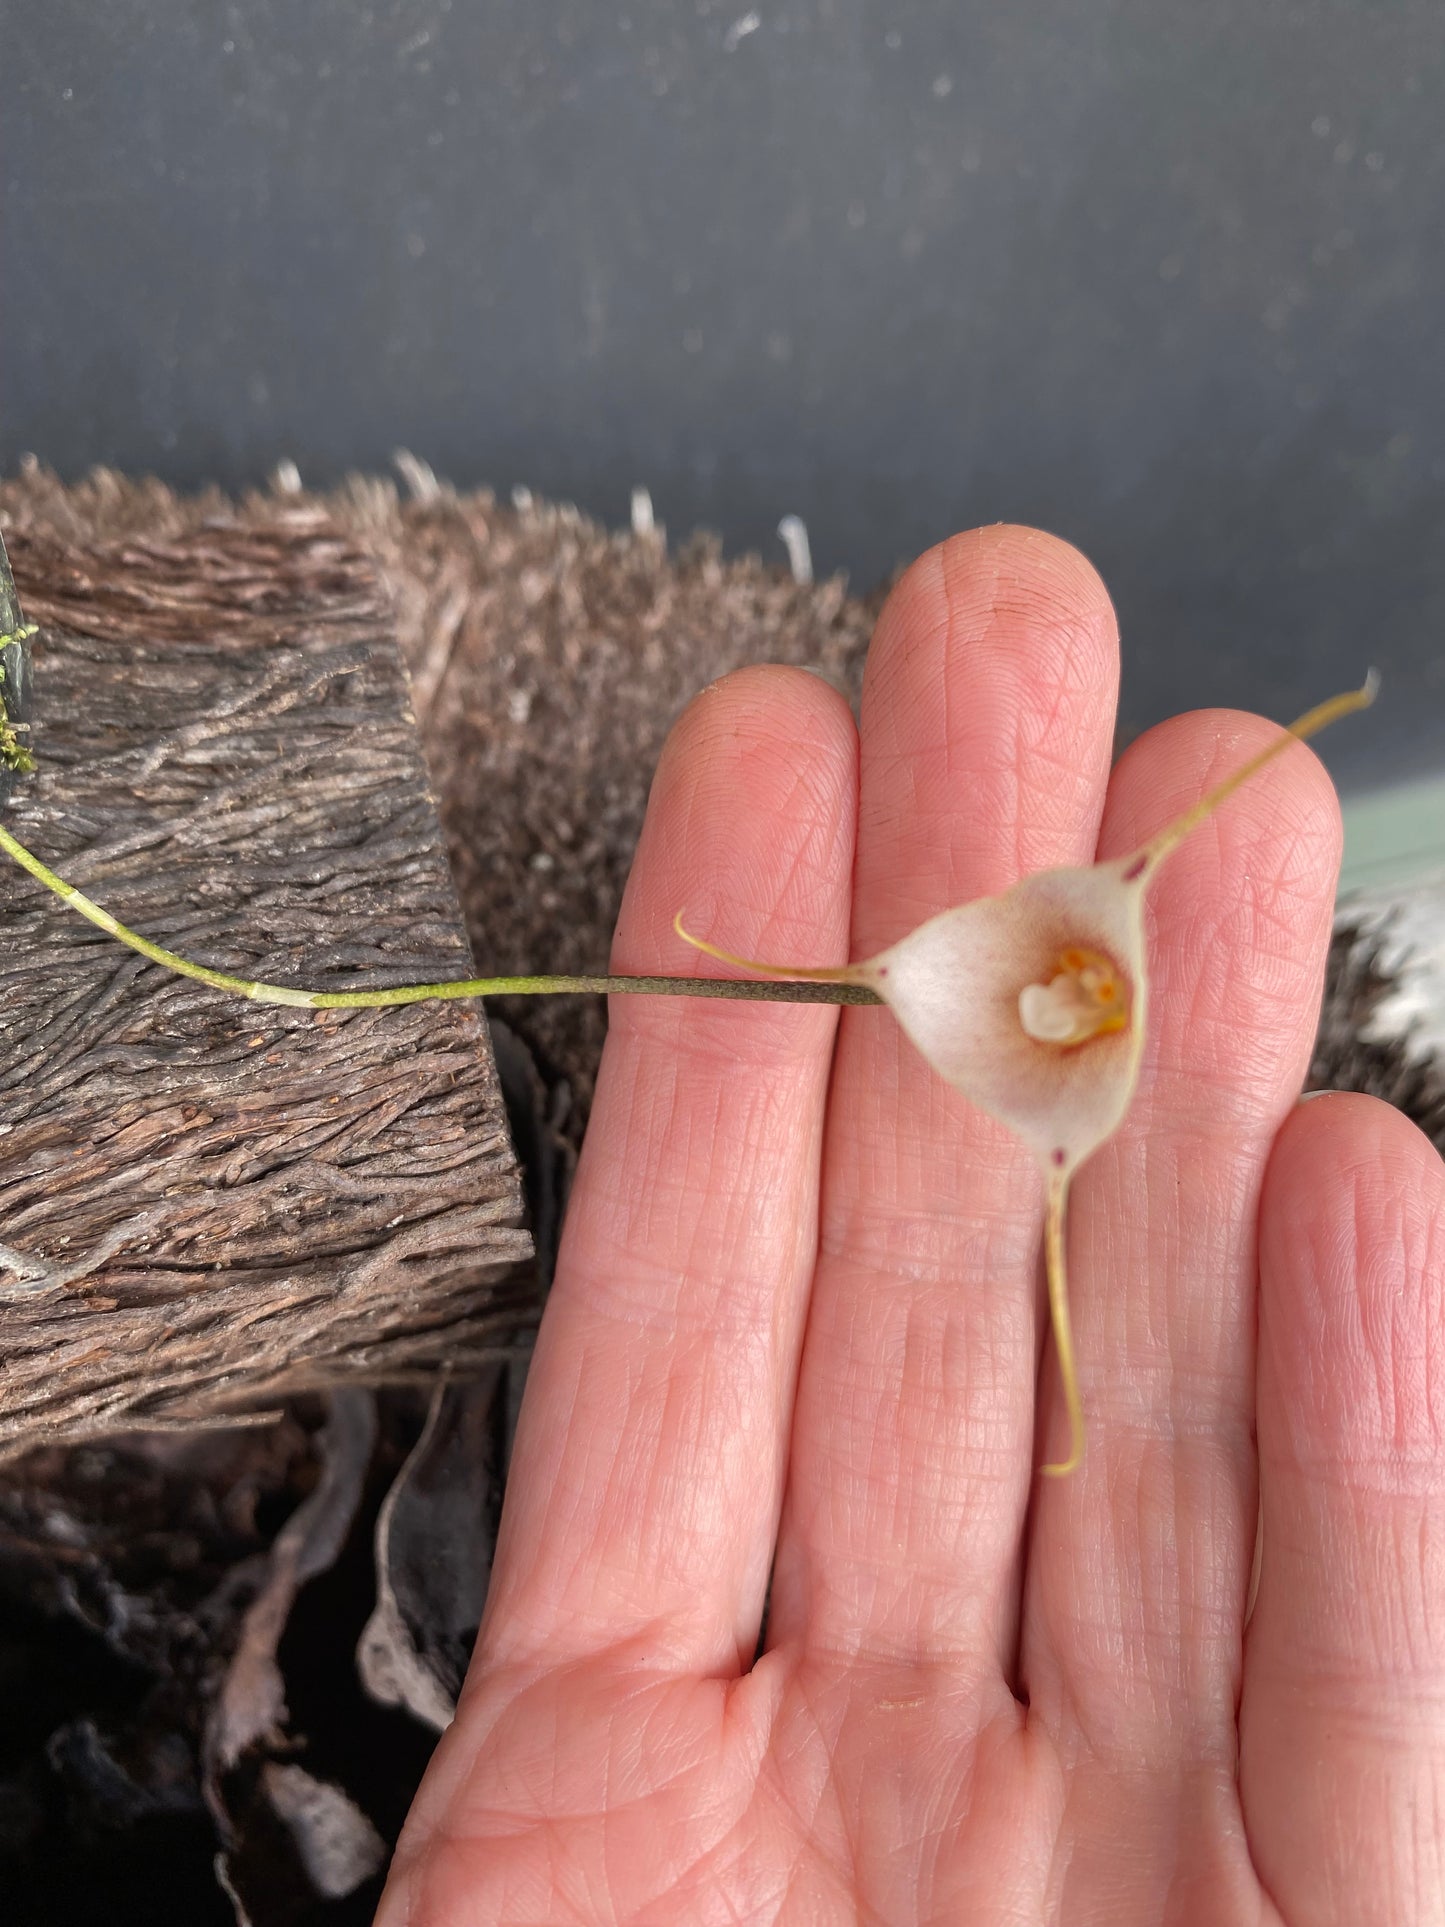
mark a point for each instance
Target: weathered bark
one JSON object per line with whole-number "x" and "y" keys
{"x": 207, "y": 1204}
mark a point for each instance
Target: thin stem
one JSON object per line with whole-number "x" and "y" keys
{"x": 792, "y": 973}
{"x": 259, "y": 993}
{"x": 1310, "y": 724}
{"x": 1059, "y": 1317}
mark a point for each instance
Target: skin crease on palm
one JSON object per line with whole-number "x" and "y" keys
{"x": 799, "y": 1306}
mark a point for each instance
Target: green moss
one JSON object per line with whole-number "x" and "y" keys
{"x": 13, "y": 753}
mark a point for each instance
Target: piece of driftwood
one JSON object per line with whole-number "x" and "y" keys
{"x": 206, "y": 1205}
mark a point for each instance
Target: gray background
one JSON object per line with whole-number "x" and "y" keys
{"x": 1165, "y": 276}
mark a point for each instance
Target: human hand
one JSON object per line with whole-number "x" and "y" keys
{"x": 798, "y": 1305}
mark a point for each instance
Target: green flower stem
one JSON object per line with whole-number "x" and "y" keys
{"x": 746, "y": 990}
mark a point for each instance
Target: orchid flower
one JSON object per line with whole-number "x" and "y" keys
{"x": 1032, "y": 1004}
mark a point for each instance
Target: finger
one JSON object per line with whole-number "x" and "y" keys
{"x": 986, "y": 728}
{"x": 645, "y": 1486}
{"x": 1140, "y": 1563}
{"x": 1342, "y": 1726}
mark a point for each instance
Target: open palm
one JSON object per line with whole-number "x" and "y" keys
{"x": 796, "y": 1330}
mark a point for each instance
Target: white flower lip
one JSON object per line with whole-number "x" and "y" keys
{"x": 1084, "y": 999}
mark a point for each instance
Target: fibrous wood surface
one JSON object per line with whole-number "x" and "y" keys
{"x": 206, "y": 1204}
{"x": 549, "y": 658}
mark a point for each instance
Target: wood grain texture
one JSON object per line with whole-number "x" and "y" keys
{"x": 205, "y": 1204}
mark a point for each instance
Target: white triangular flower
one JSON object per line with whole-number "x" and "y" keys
{"x": 1033, "y": 1005}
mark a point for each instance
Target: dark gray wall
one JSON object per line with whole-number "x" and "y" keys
{"x": 1163, "y": 275}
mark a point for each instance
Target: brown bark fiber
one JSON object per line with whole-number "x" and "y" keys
{"x": 207, "y": 1205}
{"x": 549, "y": 658}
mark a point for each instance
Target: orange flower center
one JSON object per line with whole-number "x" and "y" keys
{"x": 1084, "y": 998}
